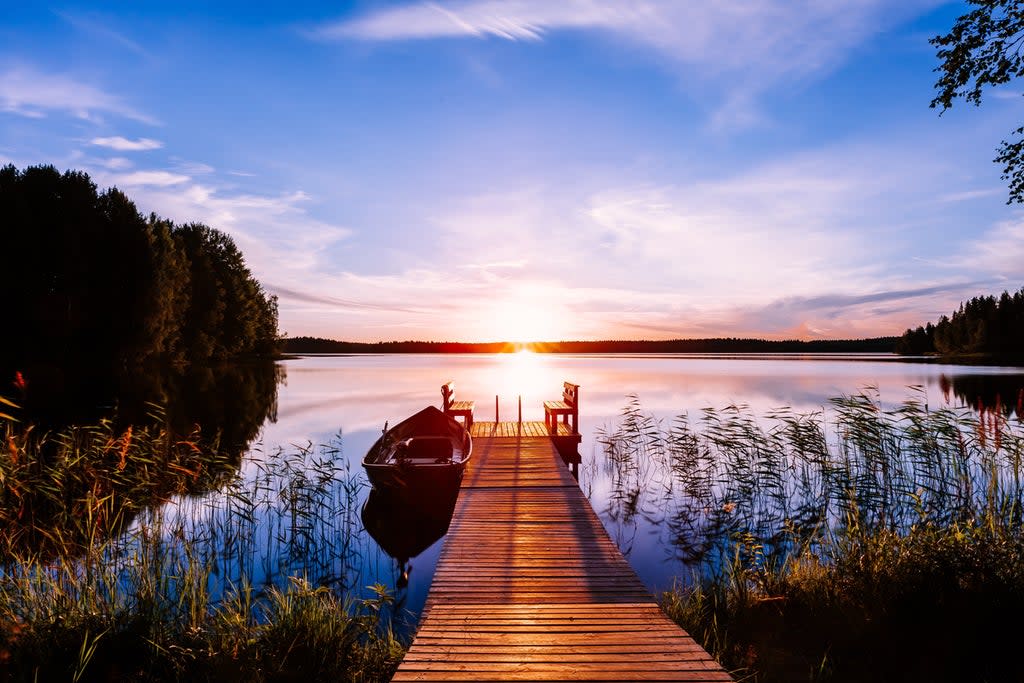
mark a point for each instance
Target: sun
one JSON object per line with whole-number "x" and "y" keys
{"x": 522, "y": 320}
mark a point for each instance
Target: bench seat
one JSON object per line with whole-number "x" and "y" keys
{"x": 455, "y": 408}
{"x": 568, "y": 407}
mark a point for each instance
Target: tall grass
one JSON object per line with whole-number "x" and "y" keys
{"x": 855, "y": 543}
{"x": 142, "y": 556}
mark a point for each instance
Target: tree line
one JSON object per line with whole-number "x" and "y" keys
{"x": 94, "y": 282}
{"x": 985, "y": 325}
{"x": 718, "y": 345}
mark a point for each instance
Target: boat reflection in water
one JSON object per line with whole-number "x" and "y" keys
{"x": 406, "y": 520}
{"x": 415, "y": 469}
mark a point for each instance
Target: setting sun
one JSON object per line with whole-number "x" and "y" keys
{"x": 524, "y": 319}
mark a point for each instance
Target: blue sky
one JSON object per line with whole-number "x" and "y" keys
{"x": 528, "y": 169}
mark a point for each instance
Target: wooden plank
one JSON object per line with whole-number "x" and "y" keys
{"x": 530, "y": 587}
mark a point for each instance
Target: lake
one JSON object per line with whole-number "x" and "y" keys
{"x": 345, "y": 401}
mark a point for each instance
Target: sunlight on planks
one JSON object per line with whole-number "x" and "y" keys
{"x": 530, "y": 587}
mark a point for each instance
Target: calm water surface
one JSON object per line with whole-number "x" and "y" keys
{"x": 324, "y": 396}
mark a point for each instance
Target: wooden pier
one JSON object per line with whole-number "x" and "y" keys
{"x": 530, "y": 587}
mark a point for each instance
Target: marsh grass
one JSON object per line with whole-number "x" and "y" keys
{"x": 142, "y": 556}
{"x": 857, "y": 543}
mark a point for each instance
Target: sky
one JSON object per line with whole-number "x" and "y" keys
{"x": 485, "y": 170}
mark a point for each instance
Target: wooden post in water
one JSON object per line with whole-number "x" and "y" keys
{"x": 496, "y": 420}
{"x": 520, "y": 411}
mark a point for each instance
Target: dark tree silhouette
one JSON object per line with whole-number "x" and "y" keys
{"x": 94, "y": 283}
{"x": 984, "y": 325}
{"x": 982, "y": 50}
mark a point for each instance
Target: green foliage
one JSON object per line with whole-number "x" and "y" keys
{"x": 858, "y": 544}
{"x": 100, "y": 284}
{"x": 983, "y": 50}
{"x": 249, "y": 582}
{"x": 60, "y": 491}
{"x": 931, "y": 603}
{"x": 983, "y": 325}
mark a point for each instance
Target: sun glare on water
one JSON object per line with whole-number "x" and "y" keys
{"x": 524, "y": 374}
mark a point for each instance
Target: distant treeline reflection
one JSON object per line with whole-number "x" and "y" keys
{"x": 101, "y": 447}
{"x": 227, "y": 402}
{"x": 1000, "y": 393}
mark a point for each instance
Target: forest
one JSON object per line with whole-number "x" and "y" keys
{"x": 94, "y": 283}
{"x": 983, "y": 326}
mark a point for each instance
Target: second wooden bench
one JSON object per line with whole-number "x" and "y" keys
{"x": 567, "y": 407}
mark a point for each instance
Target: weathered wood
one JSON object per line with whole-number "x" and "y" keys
{"x": 530, "y": 587}
{"x": 455, "y": 408}
{"x": 568, "y": 407}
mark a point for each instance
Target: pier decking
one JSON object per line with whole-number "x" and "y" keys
{"x": 530, "y": 587}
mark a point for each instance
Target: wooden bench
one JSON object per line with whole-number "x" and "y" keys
{"x": 456, "y": 408}
{"x": 567, "y": 407}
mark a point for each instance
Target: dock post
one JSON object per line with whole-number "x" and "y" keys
{"x": 496, "y": 420}
{"x": 520, "y": 411}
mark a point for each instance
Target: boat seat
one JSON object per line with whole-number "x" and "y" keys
{"x": 429, "y": 448}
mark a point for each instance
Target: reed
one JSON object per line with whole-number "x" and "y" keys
{"x": 855, "y": 543}
{"x": 142, "y": 556}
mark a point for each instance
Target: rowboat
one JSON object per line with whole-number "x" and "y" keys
{"x": 426, "y": 449}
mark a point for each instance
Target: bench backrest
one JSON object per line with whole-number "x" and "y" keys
{"x": 571, "y": 394}
{"x": 447, "y": 395}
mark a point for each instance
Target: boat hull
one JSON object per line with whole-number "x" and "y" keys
{"x": 413, "y": 477}
{"x": 427, "y": 450}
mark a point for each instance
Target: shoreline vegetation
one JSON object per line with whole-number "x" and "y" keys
{"x": 861, "y": 544}
{"x": 101, "y": 580}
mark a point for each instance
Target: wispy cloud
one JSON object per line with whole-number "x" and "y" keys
{"x": 336, "y": 302}
{"x": 125, "y": 145}
{"x": 839, "y": 315}
{"x": 29, "y": 92}
{"x": 117, "y": 163}
{"x": 806, "y": 245}
{"x": 509, "y": 20}
{"x": 750, "y": 46}
{"x": 968, "y": 195}
{"x": 275, "y": 232}
{"x": 496, "y": 265}
{"x": 151, "y": 178}
{"x": 102, "y": 30}
{"x": 999, "y": 251}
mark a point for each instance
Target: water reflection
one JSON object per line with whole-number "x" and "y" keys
{"x": 360, "y": 393}
{"x": 213, "y": 415}
{"x": 780, "y": 483}
{"x": 406, "y": 521}
{"x": 229, "y": 402}
{"x": 1000, "y": 393}
{"x": 656, "y": 514}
